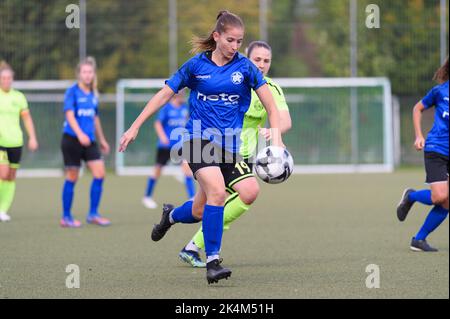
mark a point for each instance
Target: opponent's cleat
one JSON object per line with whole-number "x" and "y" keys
{"x": 159, "y": 230}
{"x": 405, "y": 204}
{"x": 4, "y": 217}
{"x": 98, "y": 220}
{"x": 216, "y": 272}
{"x": 192, "y": 258}
{"x": 149, "y": 203}
{"x": 69, "y": 223}
{"x": 421, "y": 245}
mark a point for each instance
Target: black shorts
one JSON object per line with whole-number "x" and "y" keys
{"x": 203, "y": 153}
{"x": 164, "y": 155}
{"x": 73, "y": 152}
{"x": 436, "y": 167}
{"x": 11, "y": 156}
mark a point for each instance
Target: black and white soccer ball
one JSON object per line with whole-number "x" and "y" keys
{"x": 274, "y": 164}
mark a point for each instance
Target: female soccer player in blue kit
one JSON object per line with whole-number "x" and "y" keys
{"x": 436, "y": 162}
{"x": 81, "y": 125}
{"x": 221, "y": 80}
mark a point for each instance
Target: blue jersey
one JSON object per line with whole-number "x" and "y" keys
{"x": 437, "y": 139}
{"x": 172, "y": 117}
{"x": 219, "y": 98}
{"x": 85, "y": 107}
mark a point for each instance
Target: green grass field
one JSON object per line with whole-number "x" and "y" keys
{"x": 311, "y": 237}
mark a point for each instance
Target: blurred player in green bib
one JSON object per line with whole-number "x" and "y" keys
{"x": 13, "y": 107}
{"x": 260, "y": 53}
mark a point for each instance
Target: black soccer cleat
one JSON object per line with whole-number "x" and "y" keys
{"x": 405, "y": 204}
{"x": 421, "y": 245}
{"x": 159, "y": 230}
{"x": 215, "y": 272}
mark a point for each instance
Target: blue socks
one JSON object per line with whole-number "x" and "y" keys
{"x": 150, "y": 186}
{"x": 96, "y": 194}
{"x": 190, "y": 186}
{"x": 423, "y": 196}
{"x": 183, "y": 214}
{"x": 67, "y": 198}
{"x": 436, "y": 216}
{"x": 212, "y": 229}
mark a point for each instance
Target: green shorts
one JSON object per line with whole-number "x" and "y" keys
{"x": 236, "y": 173}
{"x": 10, "y": 156}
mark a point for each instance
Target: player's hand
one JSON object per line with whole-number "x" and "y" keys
{"x": 165, "y": 141}
{"x": 104, "y": 147}
{"x": 84, "y": 140}
{"x": 265, "y": 133}
{"x": 127, "y": 137}
{"x": 419, "y": 144}
{"x": 33, "y": 145}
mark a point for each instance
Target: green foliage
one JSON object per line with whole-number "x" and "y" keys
{"x": 308, "y": 37}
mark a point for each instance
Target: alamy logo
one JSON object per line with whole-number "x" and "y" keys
{"x": 237, "y": 77}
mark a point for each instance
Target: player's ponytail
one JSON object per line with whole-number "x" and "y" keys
{"x": 90, "y": 61}
{"x": 441, "y": 74}
{"x": 225, "y": 20}
{"x": 5, "y": 67}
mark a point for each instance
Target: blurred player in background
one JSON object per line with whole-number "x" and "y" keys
{"x": 79, "y": 143}
{"x": 244, "y": 189}
{"x": 221, "y": 81}
{"x": 436, "y": 162}
{"x": 172, "y": 116}
{"x": 13, "y": 107}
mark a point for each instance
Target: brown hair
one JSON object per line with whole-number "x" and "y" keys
{"x": 5, "y": 67}
{"x": 441, "y": 74}
{"x": 90, "y": 61}
{"x": 224, "y": 20}
{"x": 257, "y": 44}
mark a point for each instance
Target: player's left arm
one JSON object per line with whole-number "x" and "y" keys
{"x": 266, "y": 98}
{"x": 29, "y": 127}
{"x": 104, "y": 146}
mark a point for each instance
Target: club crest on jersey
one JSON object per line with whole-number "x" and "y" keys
{"x": 237, "y": 77}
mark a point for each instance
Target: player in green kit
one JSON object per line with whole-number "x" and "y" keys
{"x": 13, "y": 107}
{"x": 260, "y": 53}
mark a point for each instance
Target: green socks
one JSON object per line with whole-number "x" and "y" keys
{"x": 234, "y": 208}
{"x": 7, "y": 191}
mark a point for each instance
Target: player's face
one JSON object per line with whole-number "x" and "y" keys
{"x": 87, "y": 74}
{"x": 262, "y": 58}
{"x": 6, "y": 79}
{"x": 229, "y": 41}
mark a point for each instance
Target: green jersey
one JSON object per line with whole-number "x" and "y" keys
{"x": 256, "y": 116}
{"x": 12, "y": 103}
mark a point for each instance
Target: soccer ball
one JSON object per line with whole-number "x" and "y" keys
{"x": 274, "y": 164}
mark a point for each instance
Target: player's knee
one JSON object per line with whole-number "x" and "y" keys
{"x": 72, "y": 176}
{"x": 249, "y": 195}
{"x": 216, "y": 197}
{"x": 197, "y": 212}
{"x": 439, "y": 197}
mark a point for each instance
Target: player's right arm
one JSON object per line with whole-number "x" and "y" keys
{"x": 160, "y": 132}
{"x": 428, "y": 101}
{"x": 419, "y": 142}
{"x": 156, "y": 102}
{"x": 72, "y": 121}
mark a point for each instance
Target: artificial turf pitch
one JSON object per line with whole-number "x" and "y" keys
{"x": 311, "y": 237}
